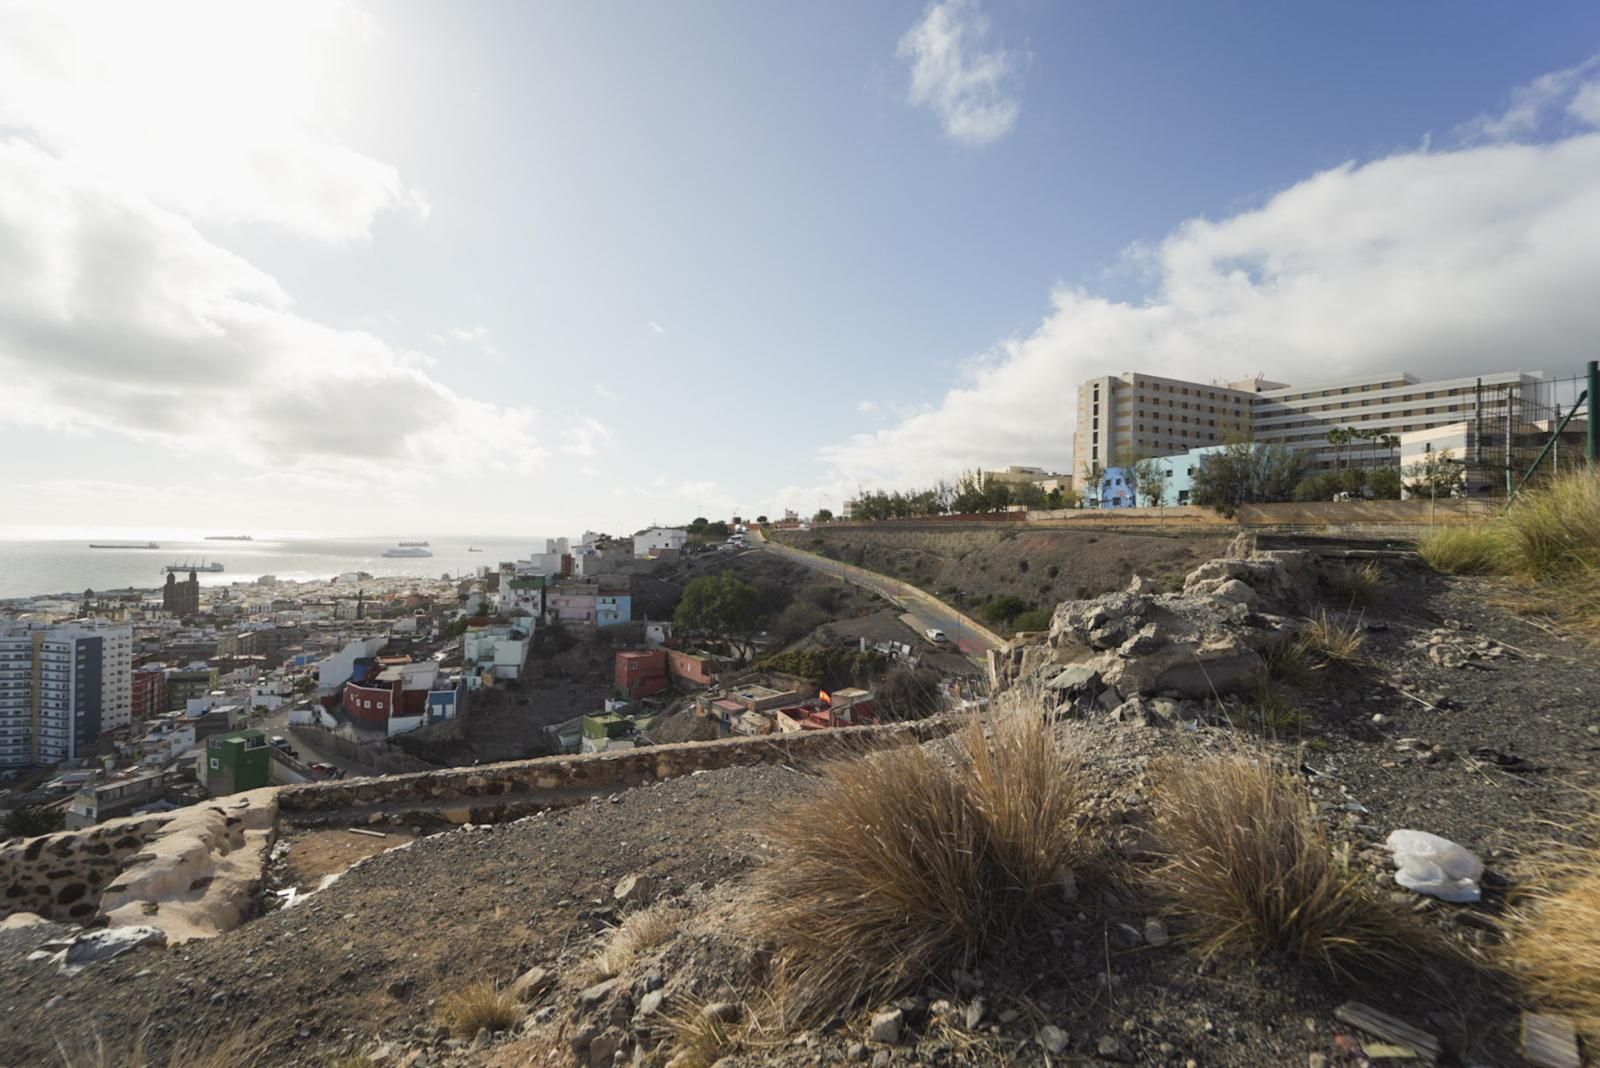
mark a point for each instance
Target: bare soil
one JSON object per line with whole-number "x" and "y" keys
{"x": 970, "y": 567}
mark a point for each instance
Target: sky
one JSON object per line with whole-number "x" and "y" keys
{"x": 518, "y": 267}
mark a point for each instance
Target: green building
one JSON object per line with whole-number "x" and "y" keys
{"x": 598, "y": 732}
{"x": 238, "y": 760}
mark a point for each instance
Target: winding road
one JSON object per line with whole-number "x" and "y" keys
{"x": 970, "y": 636}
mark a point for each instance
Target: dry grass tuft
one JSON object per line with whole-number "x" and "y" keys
{"x": 638, "y": 932}
{"x": 1362, "y": 585}
{"x": 697, "y": 1038}
{"x": 1248, "y": 864}
{"x": 1554, "y": 531}
{"x": 1555, "y": 939}
{"x": 238, "y": 1049}
{"x": 1473, "y": 549}
{"x": 482, "y": 1005}
{"x": 1327, "y": 641}
{"x": 910, "y": 861}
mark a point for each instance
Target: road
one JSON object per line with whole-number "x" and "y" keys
{"x": 927, "y": 611}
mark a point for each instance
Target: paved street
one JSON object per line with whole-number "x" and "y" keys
{"x": 922, "y": 610}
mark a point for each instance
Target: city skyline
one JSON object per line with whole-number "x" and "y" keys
{"x": 345, "y": 269}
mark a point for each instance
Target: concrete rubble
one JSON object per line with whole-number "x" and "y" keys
{"x": 1207, "y": 641}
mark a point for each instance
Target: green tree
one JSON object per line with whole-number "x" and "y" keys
{"x": 1033, "y": 619}
{"x": 718, "y": 604}
{"x": 30, "y": 821}
{"x": 1384, "y": 483}
{"x": 823, "y": 516}
{"x": 1245, "y": 472}
{"x": 1437, "y": 474}
{"x": 1150, "y": 481}
{"x": 1053, "y": 500}
{"x": 761, "y": 519}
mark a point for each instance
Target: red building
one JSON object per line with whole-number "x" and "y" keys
{"x": 399, "y": 691}
{"x": 641, "y": 673}
{"x": 149, "y": 694}
{"x": 694, "y": 669}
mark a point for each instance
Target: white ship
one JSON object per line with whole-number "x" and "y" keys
{"x": 406, "y": 551}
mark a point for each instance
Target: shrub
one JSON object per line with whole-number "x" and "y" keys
{"x": 908, "y": 693}
{"x": 1330, "y": 641}
{"x": 1362, "y": 584}
{"x": 700, "y": 1036}
{"x": 1384, "y": 483}
{"x": 1555, "y": 530}
{"x": 481, "y": 1005}
{"x": 1463, "y": 550}
{"x": 30, "y": 821}
{"x": 1555, "y": 940}
{"x": 1003, "y": 609}
{"x": 907, "y": 862}
{"x": 1247, "y": 863}
{"x": 1033, "y": 619}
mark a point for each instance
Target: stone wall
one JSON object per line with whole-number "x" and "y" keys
{"x": 494, "y": 792}
{"x": 193, "y": 872}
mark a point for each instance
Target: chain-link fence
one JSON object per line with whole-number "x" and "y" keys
{"x": 1512, "y": 425}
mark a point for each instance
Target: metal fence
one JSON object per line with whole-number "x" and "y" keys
{"x": 1516, "y": 424}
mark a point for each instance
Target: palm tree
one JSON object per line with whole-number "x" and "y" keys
{"x": 1338, "y": 437}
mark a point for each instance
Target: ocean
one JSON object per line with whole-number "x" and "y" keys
{"x": 39, "y": 567}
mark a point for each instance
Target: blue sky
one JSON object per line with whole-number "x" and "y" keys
{"x": 506, "y": 267}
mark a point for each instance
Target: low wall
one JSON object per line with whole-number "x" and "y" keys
{"x": 494, "y": 792}
{"x": 194, "y": 872}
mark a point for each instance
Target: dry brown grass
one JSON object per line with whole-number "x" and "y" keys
{"x": 1555, "y": 937}
{"x": 481, "y": 1005}
{"x": 1248, "y": 864}
{"x": 1331, "y": 641}
{"x": 638, "y": 932}
{"x": 909, "y": 861}
{"x": 698, "y": 1039}
{"x": 1469, "y": 549}
{"x": 236, "y": 1049}
{"x": 1362, "y": 585}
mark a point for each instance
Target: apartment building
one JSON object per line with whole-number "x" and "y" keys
{"x": 1130, "y": 414}
{"x": 1395, "y": 403}
{"x": 61, "y": 686}
{"x": 1134, "y": 414}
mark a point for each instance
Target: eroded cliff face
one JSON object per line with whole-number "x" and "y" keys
{"x": 193, "y": 872}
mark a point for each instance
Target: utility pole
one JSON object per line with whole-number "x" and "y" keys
{"x": 1594, "y": 425}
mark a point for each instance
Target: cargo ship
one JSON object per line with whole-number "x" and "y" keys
{"x": 146, "y": 545}
{"x": 201, "y": 566}
{"x": 229, "y": 537}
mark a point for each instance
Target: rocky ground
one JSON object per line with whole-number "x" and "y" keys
{"x": 1043, "y": 567}
{"x": 1461, "y": 719}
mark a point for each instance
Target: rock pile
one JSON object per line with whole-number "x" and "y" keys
{"x": 1204, "y": 642}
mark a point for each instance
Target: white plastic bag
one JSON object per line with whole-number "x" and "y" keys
{"x": 1436, "y": 866}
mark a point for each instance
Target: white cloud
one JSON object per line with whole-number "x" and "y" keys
{"x": 470, "y": 334}
{"x": 1440, "y": 263}
{"x": 1563, "y": 96}
{"x": 656, "y": 327}
{"x": 605, "y": 394}
{"x": 119, "y": 315}
{"x": 866, "y": 407}
{"x": 211, "y": 109}
{"x": 973, "y": 92}
{"x": 585, "y": 436}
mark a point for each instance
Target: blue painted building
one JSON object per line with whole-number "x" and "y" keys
{"x": 1117, "y": 489}
{"x": 612, "y": 608}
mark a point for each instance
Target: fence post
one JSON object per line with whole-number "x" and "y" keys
{"x": 1593, "y": 454}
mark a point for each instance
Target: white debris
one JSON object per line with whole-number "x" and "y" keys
{"x": 1435, "y": 866}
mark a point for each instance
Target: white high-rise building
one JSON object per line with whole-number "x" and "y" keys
{"x": 1130, "y": 415}
{"x": 61, "y": 687}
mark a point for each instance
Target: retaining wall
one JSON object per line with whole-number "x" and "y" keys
{"x": 494, "y": 792}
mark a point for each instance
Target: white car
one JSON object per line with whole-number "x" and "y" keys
{"x": 935, "y": 635}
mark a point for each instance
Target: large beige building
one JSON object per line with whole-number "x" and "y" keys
{"x": 1130, "y": 415}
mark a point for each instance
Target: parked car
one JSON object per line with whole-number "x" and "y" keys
{"x": 935, "y": 635}
{"x": 278, "y": 741}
